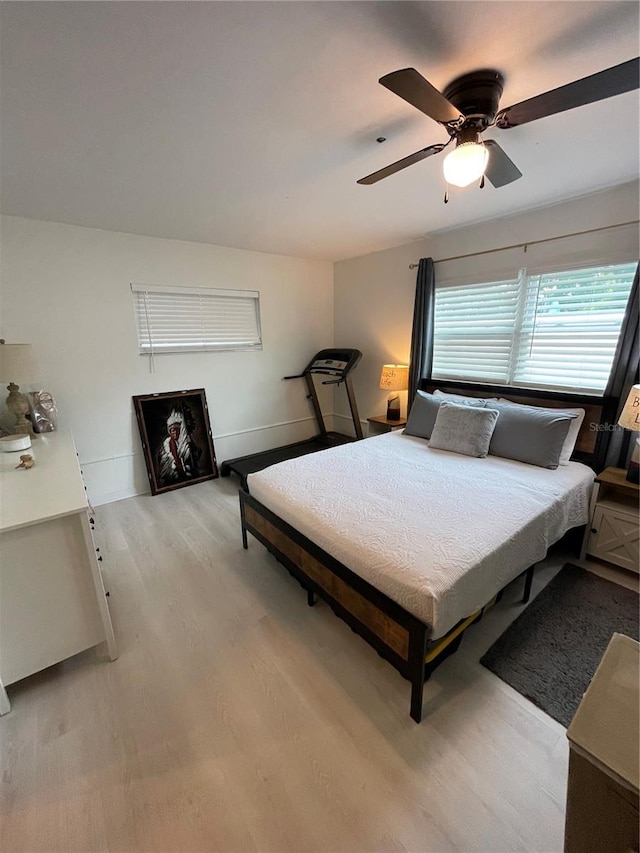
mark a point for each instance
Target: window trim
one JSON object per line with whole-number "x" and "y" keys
{"x": 514, "y": 391}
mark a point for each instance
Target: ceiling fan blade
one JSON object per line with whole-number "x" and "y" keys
{"x": 374, "y": 177}
{"x": 501, "y": 170}
{"x": 605, "y": 84}
{"x": 415, "y": 90}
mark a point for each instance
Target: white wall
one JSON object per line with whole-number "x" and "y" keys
{"x": 65, "y": 290}
{"x": 373, "y": 294}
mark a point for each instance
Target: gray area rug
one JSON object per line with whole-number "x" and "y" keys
{"x": 551, "y": 652}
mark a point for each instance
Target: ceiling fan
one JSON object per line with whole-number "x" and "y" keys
{"x": 469, "y": 105}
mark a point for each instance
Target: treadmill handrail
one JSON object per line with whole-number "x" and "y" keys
{"x": 320, "y": 373}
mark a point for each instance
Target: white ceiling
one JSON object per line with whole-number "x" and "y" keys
{"x": 247, "y": 124}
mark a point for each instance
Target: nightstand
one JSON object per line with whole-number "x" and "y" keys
{"x": 379, "y": 425}
{"x": 612, "y": 533}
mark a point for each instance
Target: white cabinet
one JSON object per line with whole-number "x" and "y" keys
{"x": 615, "y": 536}
{"x": 52, "y": 599}
{"x": 613, "y": 533}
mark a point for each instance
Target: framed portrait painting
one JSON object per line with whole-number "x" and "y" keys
{"x": 176, "y": 439}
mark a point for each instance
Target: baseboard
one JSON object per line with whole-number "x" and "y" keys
{"x": 112, "y": 497}
{"x": 124, "y": 476}
{"x": 344, "y": 424}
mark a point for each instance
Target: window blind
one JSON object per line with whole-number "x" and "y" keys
{"x": 180, "y": 319}
{"x": 556, "y": 331}
{"x": 474, "y": 326}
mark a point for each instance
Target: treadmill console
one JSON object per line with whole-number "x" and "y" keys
{"x": 334, "y": 362}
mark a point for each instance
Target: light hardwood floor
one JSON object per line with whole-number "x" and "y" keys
{"x": 239, "y": 719}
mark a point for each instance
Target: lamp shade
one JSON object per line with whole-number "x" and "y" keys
{"x": 394, "y": 377}
{"x": 465, "y": 164}
{"x": 630, "y": 417}
{"x": 18, "y": 363}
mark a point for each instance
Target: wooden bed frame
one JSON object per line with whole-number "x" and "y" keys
{"x": 395, "y": 633}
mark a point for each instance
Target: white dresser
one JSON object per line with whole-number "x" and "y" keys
{"x": 52, "y": 599}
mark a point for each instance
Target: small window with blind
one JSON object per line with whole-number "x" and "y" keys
{"x": 182, "y": 319}
{"x": 556, "y": 330}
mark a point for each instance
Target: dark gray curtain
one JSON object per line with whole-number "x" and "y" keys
{"x": 422, "y": 331}
{"x": 616, "y": 445}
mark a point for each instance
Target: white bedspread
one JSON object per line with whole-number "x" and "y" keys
{"x": 437, "y": 532}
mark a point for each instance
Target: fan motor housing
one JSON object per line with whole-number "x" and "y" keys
{"x": 477, "y": 96}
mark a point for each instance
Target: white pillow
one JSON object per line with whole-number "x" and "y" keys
{"x": 574, "y": 429}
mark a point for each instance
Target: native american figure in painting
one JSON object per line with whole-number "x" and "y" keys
{"x": 178, "y": 457}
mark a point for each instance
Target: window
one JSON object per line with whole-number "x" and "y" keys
{"x": 180, "y": 319}
{"x": 554, "y": 330}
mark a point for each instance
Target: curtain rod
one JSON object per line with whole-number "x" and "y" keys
{"x": 531, "y": 243}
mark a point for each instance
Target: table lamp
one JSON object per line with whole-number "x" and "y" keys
{"x": 394, "y": 378}
{"x": 630, "y": 419}
{"x": 18, "y": 361}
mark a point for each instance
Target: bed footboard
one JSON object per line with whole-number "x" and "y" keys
{"x": 392, "y": 631}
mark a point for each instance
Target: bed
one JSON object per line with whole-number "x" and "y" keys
{"x": 410, "y": 545}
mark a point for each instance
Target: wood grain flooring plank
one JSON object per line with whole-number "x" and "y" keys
{"x": 239, "y": 719}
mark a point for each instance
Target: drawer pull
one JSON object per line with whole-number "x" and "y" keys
{"x": 594, "y": 529}
{"x": 99, "y": 559}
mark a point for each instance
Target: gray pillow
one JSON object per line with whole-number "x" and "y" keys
{"x": 530, "y": 435}
{"x": 463, "y": 429}
{"x": 574, "y": 429}
{"x": 424, "y": 412}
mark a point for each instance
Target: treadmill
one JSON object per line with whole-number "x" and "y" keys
{"x": 334, "y": 364}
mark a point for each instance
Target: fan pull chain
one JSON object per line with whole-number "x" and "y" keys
{"x": 446, "y": 195}
{"x": 482, "y": 182}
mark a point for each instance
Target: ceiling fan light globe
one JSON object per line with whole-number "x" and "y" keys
{"x": 465, "y": 164}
